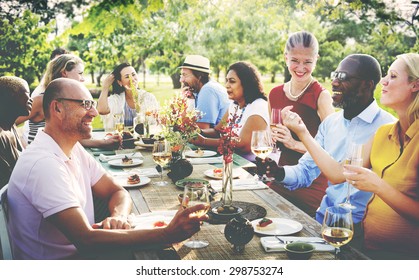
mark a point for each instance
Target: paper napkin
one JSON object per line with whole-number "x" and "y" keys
{"x": 271, "y": 244}
{"x": 240, "y": 184}
{"x": 207, "y": 160}
{"x": 145, "y": 172}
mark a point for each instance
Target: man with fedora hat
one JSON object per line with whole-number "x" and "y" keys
{"x": 210, "y": 97}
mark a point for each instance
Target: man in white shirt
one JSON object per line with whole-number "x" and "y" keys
{"x": 51, "y": 188}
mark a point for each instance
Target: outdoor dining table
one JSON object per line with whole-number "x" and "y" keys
{"x": 150, "y": 198}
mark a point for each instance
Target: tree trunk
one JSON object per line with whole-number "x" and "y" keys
{"x": 273, "y": 77}
{"x": 287, "y": 75}
{"x": 176, "y": 80}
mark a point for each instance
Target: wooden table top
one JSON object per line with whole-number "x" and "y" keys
{"x": 151, "y": 197}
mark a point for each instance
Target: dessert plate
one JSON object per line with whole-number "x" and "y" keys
{"x": 204, "y": 153}
{"x": 119, "y": 163}
{"x": 122, "y": 180}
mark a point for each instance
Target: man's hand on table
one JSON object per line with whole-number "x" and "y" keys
{"x": 119, "y": 222}
{"x": 185, "y": 224}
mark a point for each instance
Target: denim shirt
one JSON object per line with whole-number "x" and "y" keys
{"x": 334, "y": 134}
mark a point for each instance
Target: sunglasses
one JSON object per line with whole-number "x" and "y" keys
{"x": 87, "y": 104}
{"x": 341, "y": 76}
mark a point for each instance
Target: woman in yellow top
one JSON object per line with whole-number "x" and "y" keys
{"x": 391, "y": 222}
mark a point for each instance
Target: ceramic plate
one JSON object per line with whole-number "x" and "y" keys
{"x": 118, "y": 162}
{"x": 194, "y": 154}
{"x": 210, "y": 173}
{"x": 122, "y": 180}
{"x": 279, "y": 226}
{"x": 182, "y": 183}
{"x": 152, "y": 220}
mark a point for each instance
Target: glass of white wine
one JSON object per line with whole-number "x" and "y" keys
{"x": 354, "y": 158}
{"x": 261, "y": 144}
{"x": 193, "y": 195}
{"x": 119, "y": 123}
{"x": 162, "y": 154}
{"x": 337, "y": 227}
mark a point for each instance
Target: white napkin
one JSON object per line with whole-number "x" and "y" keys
{"x": 145, "y": 172}
{"x": 239, "y": 185}
{"x": 207, "y": 160}
{"x": 105, "y": 158}
{"x": 271, "y": 244}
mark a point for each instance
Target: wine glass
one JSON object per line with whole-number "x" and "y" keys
{"x": 337, "y": 227}
{"x": 261, "y": 145}
{"x": 195, "y": 194}
{"x": 276, "y": 119}
{"x": 162, "y": 154}
{"x": 354, "y": 158}
{"x": 119, "y": 123}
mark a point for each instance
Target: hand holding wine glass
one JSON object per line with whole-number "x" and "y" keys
{"x": 119, "y": 123}
{"x": 337, "y": 227}
{"x": 354, "y": 158}
{"x": 162, "y": 155}
{"x": 261, "y": 145}
{"x": 195, "y": 194}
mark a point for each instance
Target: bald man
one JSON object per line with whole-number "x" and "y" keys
{"x": 51, "y": 189}
{"x": 14, "y": 102}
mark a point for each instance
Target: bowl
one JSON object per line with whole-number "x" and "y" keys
{"x": 299, "y": 250}
{"x": 148, "y": 140}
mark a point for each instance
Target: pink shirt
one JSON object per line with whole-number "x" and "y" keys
{"x": 44, "y": 182}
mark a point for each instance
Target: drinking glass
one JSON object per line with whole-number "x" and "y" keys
{"x": 354, "y": 158}
{"x": 261, "y": 145}
{"x": 276, "y": 119}
{"x": 194, "y": 195}
{"x": 119, "y": 123}
{"x": 162, "y": 154}
{"x": 337, "y": 227}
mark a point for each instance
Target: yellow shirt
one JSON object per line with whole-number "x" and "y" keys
{"x": 384, "y": 229}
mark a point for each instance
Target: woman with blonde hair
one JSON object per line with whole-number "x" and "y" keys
{"x": 390, "y": 167}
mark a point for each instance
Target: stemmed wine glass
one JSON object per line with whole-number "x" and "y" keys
{"x": 162, "y": 154}
{"x": 261, "y": 144}
{"x": 354, "y": 158}
{"x": 338, "y": 227}
{"x": 275, "y": 120}
{"x": 119, "y": 123}
{"x": 195, "y": 194}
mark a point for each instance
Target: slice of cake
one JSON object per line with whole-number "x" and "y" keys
{"x": 133, "y": 179}
{"x": 265, "y": 225}
{"x": 127, "y": 160}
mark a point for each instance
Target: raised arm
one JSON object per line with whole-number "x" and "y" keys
{"x": 102, "y": 104}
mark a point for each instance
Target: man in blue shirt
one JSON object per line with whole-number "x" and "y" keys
{"x": 210, "y": 97}
{"x": 353, "y": 85}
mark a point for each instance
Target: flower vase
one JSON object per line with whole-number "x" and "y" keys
{"x": 227, "y": 189}
{"x": 177, "y": 154}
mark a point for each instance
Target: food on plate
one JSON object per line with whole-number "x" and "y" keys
{"x": 199, "y": 152}
{"x": 127, "y": 160}
{"x": 265, "y": 224}
{"x": 160, "y": 224}
{"x": 133, "y": 179}
{"x": 227, "y": 209}
{"x": 217, "y": 172}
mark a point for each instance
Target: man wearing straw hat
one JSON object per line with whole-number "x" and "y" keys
{"x": 210, "y": 97}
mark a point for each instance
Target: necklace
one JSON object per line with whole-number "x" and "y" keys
{"x": 295, "y": 97}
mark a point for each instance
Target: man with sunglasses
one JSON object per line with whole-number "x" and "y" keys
{"x": 50, "y": 191}
{"x": 353, "y": 85}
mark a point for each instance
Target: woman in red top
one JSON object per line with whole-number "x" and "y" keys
{"x": 312, "y": 102}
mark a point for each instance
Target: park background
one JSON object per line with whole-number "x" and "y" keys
{"x": 155, "y": 36}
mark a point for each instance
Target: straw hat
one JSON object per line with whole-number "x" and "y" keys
{"x": 197, "y": 62}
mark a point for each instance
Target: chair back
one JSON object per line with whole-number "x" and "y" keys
{"x": 4, "y": 216}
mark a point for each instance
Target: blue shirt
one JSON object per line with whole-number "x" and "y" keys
{"x": 212, "y": 100}
{"x": 334, "y": 134}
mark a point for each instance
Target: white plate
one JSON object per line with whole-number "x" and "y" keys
{"x": 281, "y": 227}
{"x": 122, "y": 180}
{"x": 118, "y": 162}
{"x": 207, "y": 153}
{"x": 210, "y": 173}
{"x": 148, "y": 220}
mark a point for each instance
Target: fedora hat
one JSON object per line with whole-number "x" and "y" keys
{"x": 197, "y": 62}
